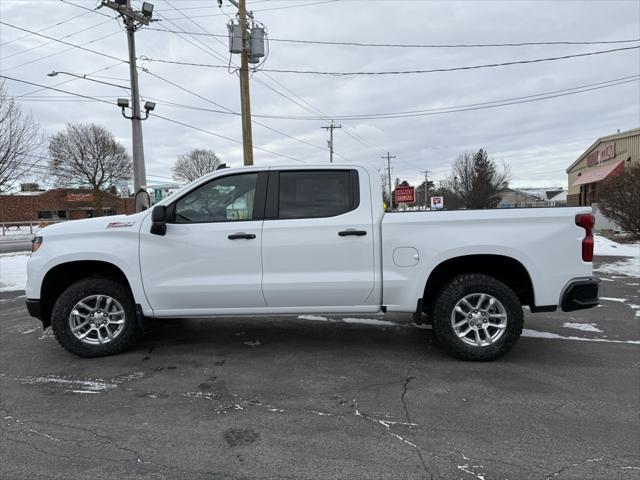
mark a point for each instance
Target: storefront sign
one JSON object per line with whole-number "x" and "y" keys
{"x": 80, "y": 197}
{"x": 437, "y": 203}
{"x": 403, "y": 194}
{"x": 598, "y": 156}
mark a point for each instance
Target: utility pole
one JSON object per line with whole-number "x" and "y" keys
{"x": 388, "y": 156}
{"x": 245, "y": 99}
{"x": 426, "y": 187}
{"x": 331, "y": 128}
{"x": 249, "y": 42}
{"x": 132, "y": 21}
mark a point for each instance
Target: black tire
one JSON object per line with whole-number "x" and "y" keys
{"x": 85, "y": 288}
{"x": 459, "y": 288}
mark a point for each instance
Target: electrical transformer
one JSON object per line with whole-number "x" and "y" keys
{"x": 256, "y": 49}
{"x": 235, "y": 38}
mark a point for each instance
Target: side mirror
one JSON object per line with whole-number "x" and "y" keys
{"x": 159, "y": 219}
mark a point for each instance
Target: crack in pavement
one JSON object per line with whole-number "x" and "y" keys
{"x": 405, "y": 385}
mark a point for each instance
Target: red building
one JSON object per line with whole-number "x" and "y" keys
{"x": 62, "y": 203}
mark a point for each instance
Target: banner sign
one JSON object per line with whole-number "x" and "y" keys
{"x": 437, "y": 203}
{"x": 404, "y": 194}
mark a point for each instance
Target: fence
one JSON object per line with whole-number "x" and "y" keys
{"x": 5, "y": 227}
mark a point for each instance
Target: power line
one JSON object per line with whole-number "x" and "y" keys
{"x": 44, "y": 29}
{"x": 383, "y": 116}
{"x": 102, "y": 54}
{"x": 155, "y": 116}
{"x": 53, "y": 41}
{"x": 412, "y": 113}
{"x": 212, "y": 52}
{"x": 94, "y": 10}
{"x": 453, "y": 69}
{"x": 297, "y": 5}
{"x": 414, "y": 45}
{"x": 404, "y": 72}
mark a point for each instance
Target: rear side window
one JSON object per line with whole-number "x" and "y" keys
{"x": 317, "y": 193}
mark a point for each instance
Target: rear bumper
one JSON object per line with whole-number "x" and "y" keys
{"x": 580, "y": 294}
{"x": 34, "y": 308}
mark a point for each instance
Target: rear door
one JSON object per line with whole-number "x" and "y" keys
{"x": 317, "y": 238}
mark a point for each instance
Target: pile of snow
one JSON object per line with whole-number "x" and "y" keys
{"x": 609, "y": 248}
{"x": 629, "y": 267}
{"x": 13, "y": 271}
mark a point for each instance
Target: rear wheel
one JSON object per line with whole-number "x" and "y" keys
{"x": 95, "y": 317}
{"x": 477, "y": 317}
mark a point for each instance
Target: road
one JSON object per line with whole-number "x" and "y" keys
{"x": 295, "y": 398}
{"x": 10, "y": 245}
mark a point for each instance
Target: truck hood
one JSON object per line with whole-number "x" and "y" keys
{"x": 98, "y": 224}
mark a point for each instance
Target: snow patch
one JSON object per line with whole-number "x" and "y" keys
{"x": 585, "y": 327}
{"x": 369, "y": 321}
{"x": 629, "y": 268}
{"x": 13, "y": 271}
{"x": 537, "y": 334}
{"x": 76, "y": 385}
{"x": 613, "y": 299}
{"x": 605, "y": 247}
{"x": 95, "y": 386}
{"x": 314, "y": 318}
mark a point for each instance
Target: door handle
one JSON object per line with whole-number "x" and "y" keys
{"x": 239, "y": 235}
{"x": 352, "y": 232}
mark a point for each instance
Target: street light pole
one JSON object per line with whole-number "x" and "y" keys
{"x": 132, "y": 21}
{"x": 139, "y": 173}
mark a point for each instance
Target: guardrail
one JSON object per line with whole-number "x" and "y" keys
{"x": 5, "y": 227}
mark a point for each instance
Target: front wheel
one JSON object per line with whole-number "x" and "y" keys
{"x": 95, "y": 317}
{"x": 477, "y": 317}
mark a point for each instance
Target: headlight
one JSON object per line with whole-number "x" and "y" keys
{"x": 36, "y": 243}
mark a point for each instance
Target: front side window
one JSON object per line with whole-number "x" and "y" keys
{"x": 226, "y": 199}
{"x": 314, "y": 194}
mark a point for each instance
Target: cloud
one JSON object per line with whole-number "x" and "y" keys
{"x": 538, "y": 139}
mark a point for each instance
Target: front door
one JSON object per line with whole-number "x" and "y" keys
{"x": 210, "y": 258}
{"x": 317, "y": 239}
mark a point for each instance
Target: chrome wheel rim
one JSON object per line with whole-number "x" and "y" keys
{"x": 97, "y": 319}
{"x": 479, "y": 319}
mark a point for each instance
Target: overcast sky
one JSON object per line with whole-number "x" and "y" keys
{"x": 537, "y": 139}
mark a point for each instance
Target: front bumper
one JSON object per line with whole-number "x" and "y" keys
{"x": 580, "y": 294}
{"x": 34, "y": 308}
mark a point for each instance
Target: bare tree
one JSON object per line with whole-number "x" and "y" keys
{"x": 477, "y": 181}
{"x": 86, "y": 155}
{"x": 620, "y": 199}
{"x": 20, "y": 138}
{"x": 195, "y": 164}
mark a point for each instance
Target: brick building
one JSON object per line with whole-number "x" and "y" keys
{"x": 62, "y": 203}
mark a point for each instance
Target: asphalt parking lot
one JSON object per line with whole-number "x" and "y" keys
{"x": 321, "y": 398}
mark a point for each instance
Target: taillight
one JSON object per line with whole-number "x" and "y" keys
{"x": 36, "y": 243}
{"x": 586, "y": 221}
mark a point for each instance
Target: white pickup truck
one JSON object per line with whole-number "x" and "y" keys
{"x": 308, "y": 239}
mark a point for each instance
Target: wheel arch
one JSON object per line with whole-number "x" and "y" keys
{"x": 59, "y": 277}
{"x": 504, "y": 268}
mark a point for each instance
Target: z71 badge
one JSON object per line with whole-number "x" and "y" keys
{"x": 120, "y": 224}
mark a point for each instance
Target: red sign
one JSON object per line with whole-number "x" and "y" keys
{"x": 80, "y": 197}
{"x": 598, "y": 156}
{"x": 405, "y": 194}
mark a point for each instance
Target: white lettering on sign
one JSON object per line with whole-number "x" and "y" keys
{"x": 405, "y": 194}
